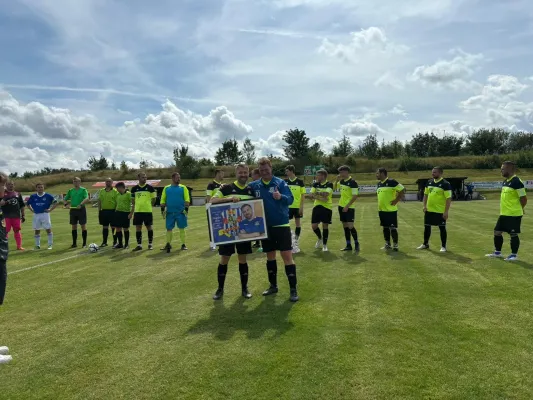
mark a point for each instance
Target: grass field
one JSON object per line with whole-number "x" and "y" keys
{"x": 412, "y": 324}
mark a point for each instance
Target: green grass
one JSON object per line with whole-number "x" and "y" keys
{"x": 413, "y": 324}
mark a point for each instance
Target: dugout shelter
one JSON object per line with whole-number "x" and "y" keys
{"x": 457, "y": 183}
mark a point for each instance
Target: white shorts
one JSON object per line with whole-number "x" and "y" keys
{"x": 41, "y": 221}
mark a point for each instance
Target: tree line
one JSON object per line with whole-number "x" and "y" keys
{"x": 299, "y": 150}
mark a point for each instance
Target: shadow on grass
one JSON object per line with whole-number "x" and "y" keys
{"x": 400, "y": 255}
{"x": 523, "y": 264}
{"x": 456, "y": 257}
{"x": 351, "y": 257}
{"x": 224, "y": 322}
{"x": 209, "y": 253}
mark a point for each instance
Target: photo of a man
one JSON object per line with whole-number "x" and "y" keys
{"x": 250, "y": 226}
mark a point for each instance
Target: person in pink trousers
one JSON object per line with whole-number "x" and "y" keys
{"x": 13, "y": 209}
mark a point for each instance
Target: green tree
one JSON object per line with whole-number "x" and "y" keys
{"x": 124, "y": 166}
{"x": 229, "y": 153}
{"x": 315, "y": 155}
{"x": 145, "y": 164}
{"x": 344, "y": 148}
{"x": 114, "y": 166}
{"x": 519, "y": 141}
{"x": 487, "y": 141}
{"x": 370, "y": 147}
{"x": 449, "y": 145}
{"x": 297, "y": 144}
{"x": 205, "y": 162}
{"x": 13, "y": 175}
{"x": 248, "y": 151}
{"x": 98, "y": 164}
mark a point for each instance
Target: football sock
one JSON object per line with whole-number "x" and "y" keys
{"x": 427, "y": 234}
{"x": 139, "y": 236}
{"x": 182, "y": 236}
{"x": 318, "y": 233}
{"x": 243, "y": 271}
{"x": 498, "y": 242}
{"x": 298, "y": 232}
{"x": 347, "y": 236}
{"x": 394, "y": 234}
{"x": 222, "y": 271}
{"x": 272, "y": 269}
{"x": 325, "y": 235}
{"x": 105, "y": 234}
{"x": 84, "y": 237}
{"x": 119, "y": 238}
{"x": 126, "y": 238}
{"x": 386, "y": 234}
{"x": 290, "y": 271}
{"x": 515, "y": 244}
{"x": 169, "y": 236}
{"x": 74, "y": 236}
{"x": 50, "y": 239}
{"x": 37, "y": 240}
{"x": 150, "y": 237}
{"x": 443, "y": 235}
{"x": 354, "y": 234}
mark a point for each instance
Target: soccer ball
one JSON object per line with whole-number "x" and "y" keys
{"x": 93, "y": 248}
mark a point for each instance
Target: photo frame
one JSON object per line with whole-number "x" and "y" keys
{"x": 243, "y": 221}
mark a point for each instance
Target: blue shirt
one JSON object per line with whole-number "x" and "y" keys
{"x": 276, "y": 211}
{"x": 40, "y": 204}
{"x": 255, "y": 225}
{"x": 175, "y": 196}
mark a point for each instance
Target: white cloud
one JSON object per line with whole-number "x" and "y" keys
{"x": 388, "y": 80}
{"x": 499, "y": 88}
{"x": 398, "y": 110}
{"x": 452, "y": 73}
{"x": 371, "y": 41}
{"x": 361, "y": 128}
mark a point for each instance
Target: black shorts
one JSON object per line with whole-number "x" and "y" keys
{"x": 508, "y": 224}
{"x": 78, "y": 216}
{"x": 321, "y": 215}
{"x": 140, "y": 218}
{"x": 106, "y": 217}
{"x": 121, "y": 219}
{"x": 229, "y": 249}
{"x": 389, "y": 219}
{"x": 294, "y": 213}
{"x": 279, "y": 239}
{"x": 434, "y": 219}
{"x": 347, "y": 216}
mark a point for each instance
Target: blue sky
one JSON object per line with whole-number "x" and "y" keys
{"x": 132, "y": 80}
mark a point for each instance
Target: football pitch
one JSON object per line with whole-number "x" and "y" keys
{"x": 381, "y": 325}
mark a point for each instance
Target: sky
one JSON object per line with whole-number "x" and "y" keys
{"x": 132, "y": 80}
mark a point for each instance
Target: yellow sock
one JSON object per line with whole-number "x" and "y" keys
{"x": 182, "y": 236}
{"x": 169, "y": 236}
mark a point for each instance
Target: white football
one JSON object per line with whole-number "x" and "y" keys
{"x": 93, "y": 248}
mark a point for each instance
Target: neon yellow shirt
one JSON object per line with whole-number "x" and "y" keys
{"x": 324, "y": 187}
{"x": 108, "y": 199}
{"x": 143, "y": 196}
{"x": 387, "y": 192}
{"x": 438, "y": 192}
{"x": 512, "y": 189}
{"x": 348, "y": 188}
{"x": 297, "y": 188}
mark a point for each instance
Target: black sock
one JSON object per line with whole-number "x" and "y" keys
{"x": 443, "y": 235}
{"x": 515, "y": 244}
{"x": 318, "y": 233}
{"x": 498, "y": 242}
{"x": 115, "y": 239}
{"x": 126, "y": 238}
{"x": 74, "y": 236}
{"x": 394, "y": 234}
{"x": 272, "y": 269}
{"x": 347, "y": 236}
{"x": 243, "y": 270}
{"x": 290, "y": 271}
{"x": 139, "y": 236}
{"x": 84, "y": 237}
{"x": 427, "y": 234}
{"x": 386, "y": 234}
{"x": 105, "y": 234}
{"x": 222, "y": 271}
{"x": 298, "y": 232}
{"x": 3, "y": 280}
{"x": 118, "y": 235}
{"x": 325, "y": 236}
{"x": 353, "y": 231}
{"x": 150, "y": 236}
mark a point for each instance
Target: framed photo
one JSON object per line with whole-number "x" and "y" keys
{"x": 237, "y": 222}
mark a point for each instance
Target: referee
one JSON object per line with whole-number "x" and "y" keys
{"x": 277, "y": 198}
{"x": 76, "y": 199}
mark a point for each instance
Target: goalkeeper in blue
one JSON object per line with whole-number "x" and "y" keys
{"x": 174, "y": 202}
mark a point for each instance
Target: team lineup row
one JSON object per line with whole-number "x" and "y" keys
{"x": 283, "y": 201}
